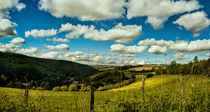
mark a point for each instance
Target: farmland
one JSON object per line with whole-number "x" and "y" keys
{"x": 162, "y": 93}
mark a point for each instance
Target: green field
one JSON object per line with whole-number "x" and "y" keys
{"x": 162, "y": 93}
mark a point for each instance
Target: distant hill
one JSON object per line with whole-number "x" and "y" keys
{"x": 17, "y": 67}
{"x": 103, "y": 67}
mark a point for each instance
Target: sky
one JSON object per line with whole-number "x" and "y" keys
{"x": 108, "y": 32}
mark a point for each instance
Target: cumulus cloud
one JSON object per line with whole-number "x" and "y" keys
{"x": 125, "y": 55}
{"x": 73, "y": 54}
{"x": 194, "y": 22}
{"x": 179, "y": 46}
{"x": 58, "y": 47}
{"x": 152, "y": 41}
{"x": 50, "y": 55}
{"x": 5, "y": 5}
{"x": 84, "y": 9}
{"x": 158, "y": 11}
{"x": 31, "y": 50}
{"x": 181, "y": 56}
{"x": 18, "y": 40}
{"x": 120, "y": 33}
{"x": 58, "y": 40}
{"x": 40, "y": 33}
{"x": 155, "y": 49}
{"x": 127, "y": 49}
{"x": 75, "y": 30}
{"x": 17, "y": 49}
{"x": 8, "y": 47}
{"x": 192, "y": 46}
{"x": 6, "y": 28}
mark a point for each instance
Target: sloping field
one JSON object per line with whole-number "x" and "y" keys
{"x": 149, "y": 82}
{"x": 141, "y": 68}
{"x": 162, "y": 93}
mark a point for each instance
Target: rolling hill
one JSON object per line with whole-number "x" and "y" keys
{"x": 17, "y": 67}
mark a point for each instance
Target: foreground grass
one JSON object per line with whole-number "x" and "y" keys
{"x": 162, "y": 93}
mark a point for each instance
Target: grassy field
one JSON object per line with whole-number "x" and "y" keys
{"x": 149, "y": 83}
{"x": 162, "y": 93}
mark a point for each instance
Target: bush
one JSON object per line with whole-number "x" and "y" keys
{"x": 126, "y": 82}
{"x": 56, "y": 88}
{"x": 40, "y": 88}
{"x": 106, "y": 87}
{"x": 151, "y": 74}
{"x": 73, "y": 87}
{"x": 64, "y": 88}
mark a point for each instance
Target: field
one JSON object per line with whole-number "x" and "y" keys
{"x": 162, "y": 93}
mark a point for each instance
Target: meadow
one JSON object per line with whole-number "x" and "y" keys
{"x": 162, "y": 93}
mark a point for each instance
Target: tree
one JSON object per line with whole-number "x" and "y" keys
{"x": 3, "y": 80}
{"x": 195, "y": 59}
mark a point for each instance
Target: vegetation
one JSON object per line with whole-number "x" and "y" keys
{"x": 176, "y": 87}
{"x": 16, "y": 69}
{"x": 197, "y": 68}
{"x": 160, "y": 96}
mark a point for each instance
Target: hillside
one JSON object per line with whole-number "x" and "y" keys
{"x": 159, "y": 97}
{"x": 18, "y": 67}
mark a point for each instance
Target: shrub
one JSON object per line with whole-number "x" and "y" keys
{"x": 40, "y": 88}
{"x": 151, "y": 74}
{"x": 106, "y": 87}
{"x": 56, "y": 88}
{"x": 64, "y": 88}
{"x": 73, "y": 87}
{"x": 10, "y": 84}
{"x": 117, "y": 85}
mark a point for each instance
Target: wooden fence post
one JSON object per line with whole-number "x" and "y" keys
{"x": 182, "y": 85}
{"x": 26, "y": 95}
{"x": 142, "y": 88}
{"x": 92, "y": 99}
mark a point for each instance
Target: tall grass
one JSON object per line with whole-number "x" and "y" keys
{"x": 162, "y": 93}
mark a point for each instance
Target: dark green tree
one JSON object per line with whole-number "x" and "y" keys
{"x": 195, "y": 59}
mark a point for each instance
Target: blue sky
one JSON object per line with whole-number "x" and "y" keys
{"x": 47, "y": 14}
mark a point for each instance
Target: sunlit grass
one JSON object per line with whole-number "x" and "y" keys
{"x": 162, "y": 93}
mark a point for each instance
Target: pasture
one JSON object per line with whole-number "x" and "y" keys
{"x": 162, "y": 93}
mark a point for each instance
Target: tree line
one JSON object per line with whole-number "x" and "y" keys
{"x": 196, "y": 67}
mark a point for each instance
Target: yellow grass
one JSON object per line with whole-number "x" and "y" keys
{"x": 141, "y": 68}
{"x": 149, "y": 83}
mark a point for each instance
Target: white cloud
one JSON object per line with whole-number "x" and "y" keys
{"x": 179, "y": 46}
{"x": 158, "y": 11}
{"x": 75, "y": 31}
{"x": 8, "y": 47}
{"x": 6, "y": 28}
{"x": 120, "y": 33}
{"x": 192, "y": 46}
{"x": 155, "y": 49}
{"x": 58, "y": 40}
{"x": 40, "y": 33}
{"x": 194, "y": 22}
{"x": 181, "y": 56}
{"x": 18, "y": 40}
{"x": 127, "y": 49}
{"x": 73, "y": 54}
{"x": 31, "y": 50}
{"x": 84, "y": 9}
{"x": 58, "y": 47}
{"x": 152, "y": 41}
{"x": 17, "y": 49}
{"x": 50, "y": 55}
{"x": 125, "y": 55}
{"x": 9, "y": 4}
